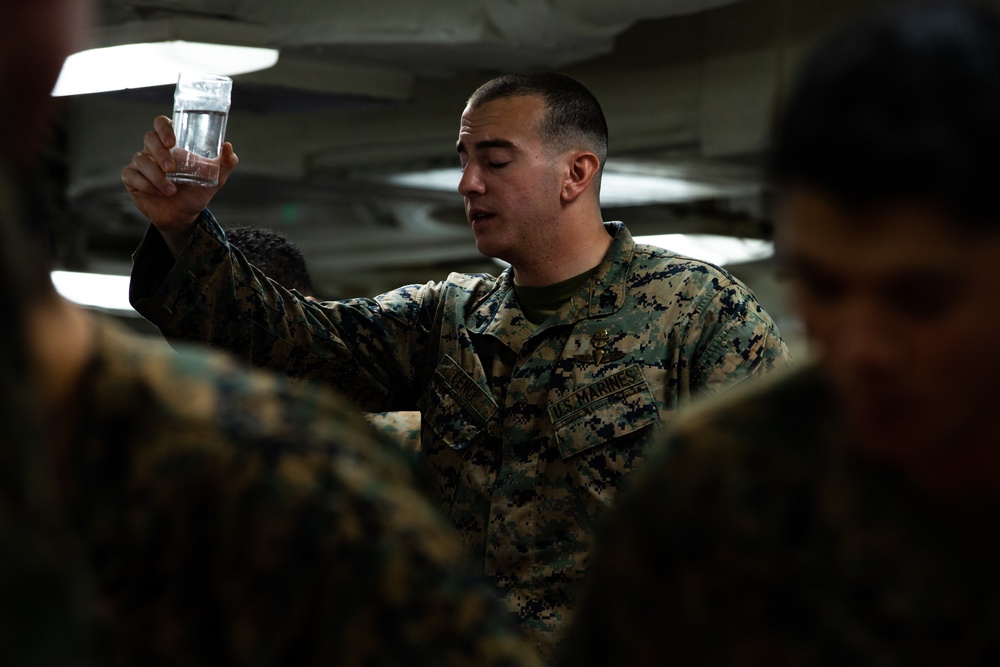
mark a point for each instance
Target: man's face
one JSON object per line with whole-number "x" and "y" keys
{"x": 903, "y": 307}
{"x": 510, "y": 182}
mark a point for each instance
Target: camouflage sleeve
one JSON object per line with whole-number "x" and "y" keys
{"x": 733, "y": 338}
{"x": 211, "y": 294}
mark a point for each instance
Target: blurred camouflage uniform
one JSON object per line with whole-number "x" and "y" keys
{"x": 527, "y": 432}
{"x": 230, "y": 517}
{"x": 761, "y": 535}
{"x": 402, "y": 427}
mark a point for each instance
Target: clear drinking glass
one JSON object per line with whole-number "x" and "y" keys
{"x": 201, "y": 110}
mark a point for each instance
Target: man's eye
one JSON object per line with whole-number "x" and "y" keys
{"x": 497, "y": 165}
{"x": 823, "y": 291}
{"x": 924, "y": 298}
{"x": 816, "y": 285}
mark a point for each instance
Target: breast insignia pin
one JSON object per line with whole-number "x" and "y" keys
{"x": 599, "y": 341}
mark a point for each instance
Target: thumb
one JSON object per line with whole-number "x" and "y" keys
{"x": 228, "y": 161}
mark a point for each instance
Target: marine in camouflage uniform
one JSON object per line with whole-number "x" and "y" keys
{"x": 230, "y": 517}
{"x": 528, "y": 433}
{"x": 763, "y": 534}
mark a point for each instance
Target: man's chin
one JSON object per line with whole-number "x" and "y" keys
{"x": 879, "y": 419}
{"x": 895, "y": 430}
{"x": 491, "y": 252}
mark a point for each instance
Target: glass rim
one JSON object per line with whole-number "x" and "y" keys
{"x": 203, "y": 76}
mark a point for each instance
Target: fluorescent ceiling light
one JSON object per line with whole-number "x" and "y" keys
{"x": 714, "y": 248}
{"x": 637, "y": 189}
{"x": 155, "y": 64}
{"x": 441, "y": 180}
{"x": 621, "y": 185}
{"x": 94, "y": 290}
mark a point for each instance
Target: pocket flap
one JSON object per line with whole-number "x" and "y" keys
{"x": 455, "y": 406}
{"x": 612, "y": 407}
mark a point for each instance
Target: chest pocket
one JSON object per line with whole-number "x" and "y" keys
{"x": 602, "y": 430}
{"x": 454, "y": 406}
{"x": 610, "y": 408}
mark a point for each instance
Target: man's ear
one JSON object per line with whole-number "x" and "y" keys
{"x": 583, "y": 168}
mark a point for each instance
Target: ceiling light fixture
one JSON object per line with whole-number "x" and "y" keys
{"x": 94, "y": 290}
{"x": 623, "y": 184}
{"x": 713, "y": 248}
{"x": 152, "y": 53}
{"x": 616, "y": 189}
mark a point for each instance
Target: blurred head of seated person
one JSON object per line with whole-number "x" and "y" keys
{"x": 175, "y": 508}
{"x": 888, "y": 223}
{"x": 840, "y": 514}
{"x": 275, "y": 255}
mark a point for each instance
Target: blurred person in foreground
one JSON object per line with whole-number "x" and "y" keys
{"x": 161, "y": 508}
{"x": 844, "y": 514}
{"x": 539, "y": 388}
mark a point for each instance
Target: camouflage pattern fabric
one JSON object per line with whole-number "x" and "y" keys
{"x": 402, "y": 427}
{"x": 527, "y": 433}
{"x": 761, "y": 535}
{"x": 235, "y": 518}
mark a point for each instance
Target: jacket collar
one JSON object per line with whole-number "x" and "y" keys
{"x": 500, "y": 315}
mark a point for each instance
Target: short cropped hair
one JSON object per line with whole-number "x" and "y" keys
{"x": 903, "y": 104}
{"x": 573, "y": 119}
{"x": 277, "y": 257}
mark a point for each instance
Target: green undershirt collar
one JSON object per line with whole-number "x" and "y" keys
{"x": 540, "y": 303}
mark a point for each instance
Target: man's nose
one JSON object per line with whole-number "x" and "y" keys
{"x": 865, "y": 339}
{"x": 470, "y": 184}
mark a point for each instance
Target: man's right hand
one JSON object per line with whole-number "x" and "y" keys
{"x": 172, "y": 208}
